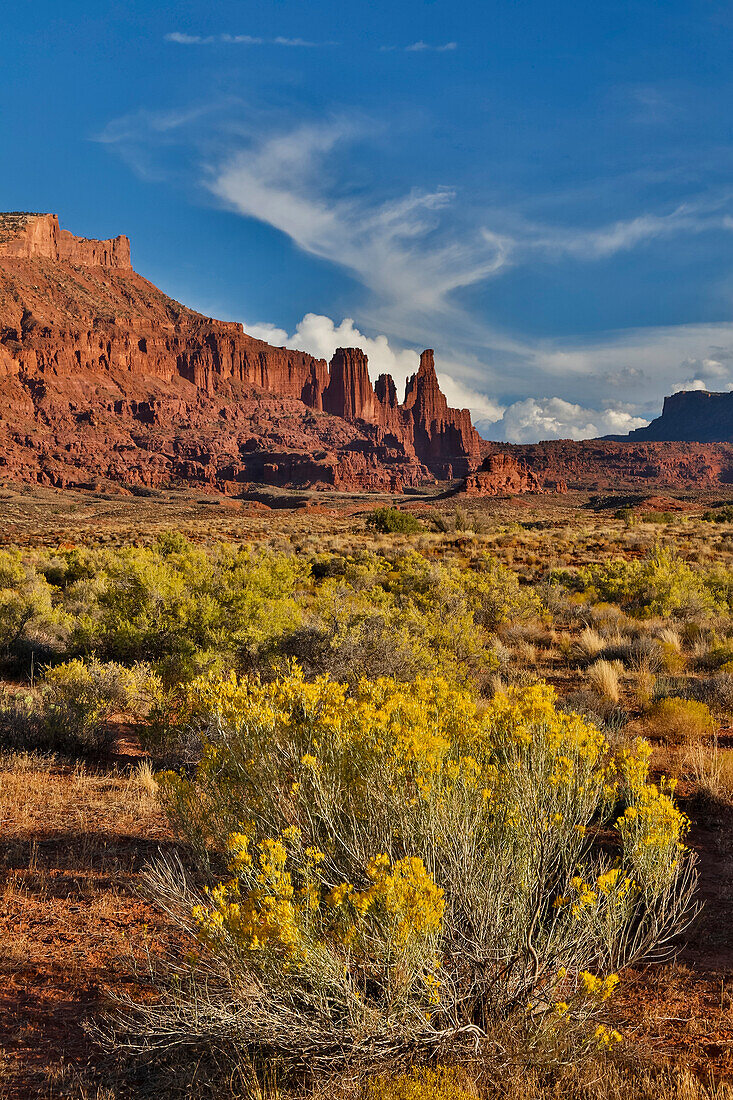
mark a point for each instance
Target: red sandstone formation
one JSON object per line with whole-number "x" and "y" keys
{"x": 103, "y": 376}
{"x": 349, "y": 392}
{"x": 595, "y": 464}
{"x": 502, "y": 475}
{"x": 441, "y": 434}
{"x": 689, "y": 415}
{"x": 25, "y": 236}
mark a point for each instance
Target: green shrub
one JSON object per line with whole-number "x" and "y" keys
{"x": 29, "y": 619}
{"x": 79, "y": 698}
{"x": 179, "y": 607}
{"x": 657, "y": 517}
{"x": 662, "y": 584}
{"x": 393, "y": 521}
{"x": 21, "y": 721}
{"x": 681, "y": 720}
{"x": 722, "y": 515}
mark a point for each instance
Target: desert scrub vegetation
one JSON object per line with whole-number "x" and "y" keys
{"x": 393, "y": 521}
{"x": 680, "y": 721}
{"x": 397, "y": 870}
{"x": 70, "y": 709}
{"x": 184, "y": 609}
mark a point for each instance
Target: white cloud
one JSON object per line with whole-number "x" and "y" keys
{"x": 552, "y": 418}
{"x": 420, "y": 47}
{"x": 483, "y": 409}
{"x": 689, "y": 384}
{"x": 395, "y": 248}
{"x": 601, "y": 242}
{"x": 182, "y": 39}
{"x": 320, "y": 336}
{"x": 646, "y": 363}
{"x": 412, "y": 253}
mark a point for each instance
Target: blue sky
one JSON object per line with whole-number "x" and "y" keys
{"x": 542, "y": 192}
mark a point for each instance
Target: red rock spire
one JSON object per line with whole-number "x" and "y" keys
{"x": 349, "y": 392}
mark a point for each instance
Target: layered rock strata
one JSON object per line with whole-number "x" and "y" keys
{"x": 601, "y": 465}
{"x": 103, "y": 375}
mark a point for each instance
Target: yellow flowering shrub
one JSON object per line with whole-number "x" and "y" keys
{"x": 403, "y": 861}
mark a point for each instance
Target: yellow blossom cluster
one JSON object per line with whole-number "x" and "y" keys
{"x": 262, "y": 907}
{"x": 607, "y": 1038}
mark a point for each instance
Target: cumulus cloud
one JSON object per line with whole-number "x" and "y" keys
{"x": 484, "y": 410}
{"x": 552, "y": 418}
{"x": 320, "y": 336}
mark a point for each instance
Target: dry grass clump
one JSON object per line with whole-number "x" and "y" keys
{"x": 603, "y": 677}
{"x": 668, "y": 636}
{"x": 588, "y": 645}
{"x": 680, "y": 721}
{"x": 443, "y": 1083}
{"x": 646, "y": 683}
{"x": 605, "y": 1082}
{"x": 711, "y": 769}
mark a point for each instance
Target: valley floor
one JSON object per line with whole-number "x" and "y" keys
{"x": 75, "y": 837}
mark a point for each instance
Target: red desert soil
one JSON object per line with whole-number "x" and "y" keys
{"x": 74, "y": 842}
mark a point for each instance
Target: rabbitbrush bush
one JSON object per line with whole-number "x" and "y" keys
{"x": 405, "y": 871}
{"x": 79, "y": 698}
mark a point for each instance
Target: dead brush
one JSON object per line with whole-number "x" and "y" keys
{"x": 646, "y": 683}
{"x": 526, "y": 653}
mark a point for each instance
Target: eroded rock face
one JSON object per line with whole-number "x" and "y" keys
{"x": 502, "y": 474}
{"x": 29, "y": 236}
{"x": 595, "y": 464}
{"x": 101, "y": 374}
{"x": 349, "y": 392}
{"x": 443, "y": 437}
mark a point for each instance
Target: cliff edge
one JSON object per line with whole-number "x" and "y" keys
{"x": 103, "y": 375}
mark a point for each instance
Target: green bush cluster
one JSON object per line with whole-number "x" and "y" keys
{"x": 661, "y": 584}
{"x": 393, "y": 521}
{"x": 183, "y": 609}
{"x": 721, "y": 515}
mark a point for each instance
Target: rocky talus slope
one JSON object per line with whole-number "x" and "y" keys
{"x": 104, "y": 377}
{"x": 605, "y": 466}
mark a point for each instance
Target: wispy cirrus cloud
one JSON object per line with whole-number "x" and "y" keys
{"x": 398, "y": 249}
{"x": 601, "y": 242}
{"x": 422, "y": 47}
{"x": 183, "y": 39}
{"x": 412, "y": 254}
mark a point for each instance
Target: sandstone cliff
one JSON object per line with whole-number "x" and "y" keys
{"x": 690, "y": 416}
{"x": 103, "y": 375}
{"x": 502, "y": 474}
